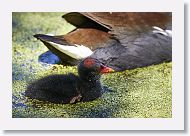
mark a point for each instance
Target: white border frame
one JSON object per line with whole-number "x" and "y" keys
{"x": 174, "y": 123}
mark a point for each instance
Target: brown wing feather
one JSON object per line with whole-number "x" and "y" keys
{"x": 130, "y": 19}
{"x": 91, "y": 38}
{"x": 125, "y": 26}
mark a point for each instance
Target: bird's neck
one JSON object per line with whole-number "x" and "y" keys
{"x": 91, "y": 89}
{"x": 90, "y": 79}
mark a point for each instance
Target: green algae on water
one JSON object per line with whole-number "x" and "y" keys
{"x": 139, "y": 93}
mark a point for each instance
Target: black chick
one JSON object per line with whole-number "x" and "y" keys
{"x": 71, "y": 88}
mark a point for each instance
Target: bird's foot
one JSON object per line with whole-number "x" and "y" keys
{"x": 76, "y": 98}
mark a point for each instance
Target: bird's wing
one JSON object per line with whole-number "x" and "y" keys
{"x": 126, "y": 26}
{"x": 91, "y": 38}
{"x": 58, "y": 44}
{"x": 77, "y": 44}
{"x": 81, "y": 20}
{"x": 50, "y": 38}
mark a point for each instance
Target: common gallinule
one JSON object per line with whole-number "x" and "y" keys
{"x": 120, "y": 40}
{"x": 71, "y": 88}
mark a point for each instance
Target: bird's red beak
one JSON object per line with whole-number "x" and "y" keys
{"x": 105, "y": 69}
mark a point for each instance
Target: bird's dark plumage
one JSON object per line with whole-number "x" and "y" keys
{"x": 144, "y": 51}
{"x": 71, "y": 88}
{"x": 121, "y": 40}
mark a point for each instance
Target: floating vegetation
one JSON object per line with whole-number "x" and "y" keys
{"x": 140, "y": 93}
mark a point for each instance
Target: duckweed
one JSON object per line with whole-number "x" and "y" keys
{"x": 140, "y": 93}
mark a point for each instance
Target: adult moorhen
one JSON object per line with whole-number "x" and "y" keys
{"x": 71, "y": 88}
{"x": 120, "y": 40}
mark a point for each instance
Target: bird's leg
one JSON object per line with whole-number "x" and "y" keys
{"x": 78, "y": 97}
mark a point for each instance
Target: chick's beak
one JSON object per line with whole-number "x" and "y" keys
{"x": 105, "y": 69}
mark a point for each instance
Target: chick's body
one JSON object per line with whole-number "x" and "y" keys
{"x": 70, "y": 88}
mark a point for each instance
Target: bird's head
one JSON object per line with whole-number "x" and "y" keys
{"x": 92, "y": 68}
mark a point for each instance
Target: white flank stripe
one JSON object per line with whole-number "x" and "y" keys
{"x": 76, "y": 52}
{"x": 161, "y": 31}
